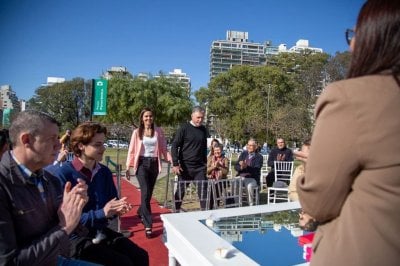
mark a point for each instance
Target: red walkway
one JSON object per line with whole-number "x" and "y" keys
{"x": 155, "y": 247}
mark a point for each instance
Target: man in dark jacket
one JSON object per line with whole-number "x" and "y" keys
{"x": 36, "y": 216}
{"x": 248, "y": 167}
{"x": 280, "y": 153}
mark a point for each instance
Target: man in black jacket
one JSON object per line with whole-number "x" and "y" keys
{"x": 36, "y": 216}
{"x": 280, "y": 153}
{"x": 189, "y": 154}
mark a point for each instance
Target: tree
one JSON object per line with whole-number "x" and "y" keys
{"x": 277, "y": 98}
{"x": 239, "y": 98}
{"x": 127, "y": 97}
{"x": 338, "y": 66}
{"x": 68, "y": 102}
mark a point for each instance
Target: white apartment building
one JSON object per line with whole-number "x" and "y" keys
{"x": 236, "y": 49}
{"x": 182, "y": 77}
{"x": 120, "y": 70}
{"x": 53, "y": 80}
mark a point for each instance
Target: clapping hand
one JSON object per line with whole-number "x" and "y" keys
{"x": 74, "y": 199}
{"x": 117, "y": 207}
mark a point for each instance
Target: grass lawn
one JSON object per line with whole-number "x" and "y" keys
{"x": 119, "y": 157}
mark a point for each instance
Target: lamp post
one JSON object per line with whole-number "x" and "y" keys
{"x": 269, "y": 88}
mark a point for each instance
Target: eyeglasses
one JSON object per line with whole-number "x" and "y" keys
{"x": 349, "y": 35}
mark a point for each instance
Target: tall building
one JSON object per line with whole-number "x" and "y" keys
{"x": 237, "y": 50}
{"x": 53, "y": 80}
{"x": 302, "y": 46}
{"x": 116, "y": 71}
{"x": 182, "y": 77}
{"x": 8, "y": 98}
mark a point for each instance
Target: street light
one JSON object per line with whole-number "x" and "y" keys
{"x": 269, "y": 88}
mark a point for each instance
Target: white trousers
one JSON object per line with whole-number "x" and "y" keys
{"x": 250, "y": 184}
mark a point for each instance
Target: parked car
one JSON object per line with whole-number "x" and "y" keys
{"x": 115, "y": 144}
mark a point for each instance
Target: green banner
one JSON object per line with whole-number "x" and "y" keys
{"x": 99, "y": 102}
{"x": 6, "y": 117}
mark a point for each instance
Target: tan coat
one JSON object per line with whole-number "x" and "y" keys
{"x": 223, "y": 166}
{"x": 352, "y": 181}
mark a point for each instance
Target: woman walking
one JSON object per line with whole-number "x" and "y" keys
{"x": 144, "y": 159}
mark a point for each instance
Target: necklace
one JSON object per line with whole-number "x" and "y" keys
{"x": 147, "y": 132}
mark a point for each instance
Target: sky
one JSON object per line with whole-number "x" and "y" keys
{"x": 84, "y": 38}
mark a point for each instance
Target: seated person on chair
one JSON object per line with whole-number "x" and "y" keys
{"x": 248, "y": 168}
{"x": 217, "y": 166}
{"x": 105, "y": 246}
{"x": 300, "y": 170}
{"x": 280, "y": 153}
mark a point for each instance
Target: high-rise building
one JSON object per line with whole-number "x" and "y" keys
{"x": 235, "y": 50}
{"x": 238, "y": 50}
{"x": 114, "y": 71}
{"x": 8, "y": 98}
{"x": 182, "y": 77}
{"x": 53, "y": 80}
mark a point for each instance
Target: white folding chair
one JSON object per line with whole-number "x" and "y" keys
{"x": 283, "y": 172}
{"x": 264, "y": 173}
{"x": 230, "y": 172}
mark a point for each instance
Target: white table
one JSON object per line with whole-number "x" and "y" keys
{"x": 190, "y": 242}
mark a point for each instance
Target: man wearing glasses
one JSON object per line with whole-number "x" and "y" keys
{"x": 280, "y": 153}
{"x": 248, "y": 168}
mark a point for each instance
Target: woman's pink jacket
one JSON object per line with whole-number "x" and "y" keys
{"x": 136, "y": 149}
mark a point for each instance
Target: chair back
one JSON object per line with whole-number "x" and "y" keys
{"x": 283, "y": 171}
{"x": 227, "y": 192}
{"x": 264, "y": 173}
{"x": 194, "y": 192}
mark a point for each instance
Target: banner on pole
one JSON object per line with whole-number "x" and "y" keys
{"x": 99, "y": 103}
{"x": 6, "y": 117}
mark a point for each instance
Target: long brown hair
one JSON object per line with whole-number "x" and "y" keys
{"x": 141, "y": 123}
{"x": 377, "y": 39}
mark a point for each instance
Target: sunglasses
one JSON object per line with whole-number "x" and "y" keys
{"x": 349, "y": 35}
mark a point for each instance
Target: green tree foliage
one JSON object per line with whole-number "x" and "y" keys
{"x": 338, "y": 66}
{"x": 127, "y": 97}
{"x": 273, "y": 100}
{"x": 68, "y": 102}
{"x": 240, "y": 98}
